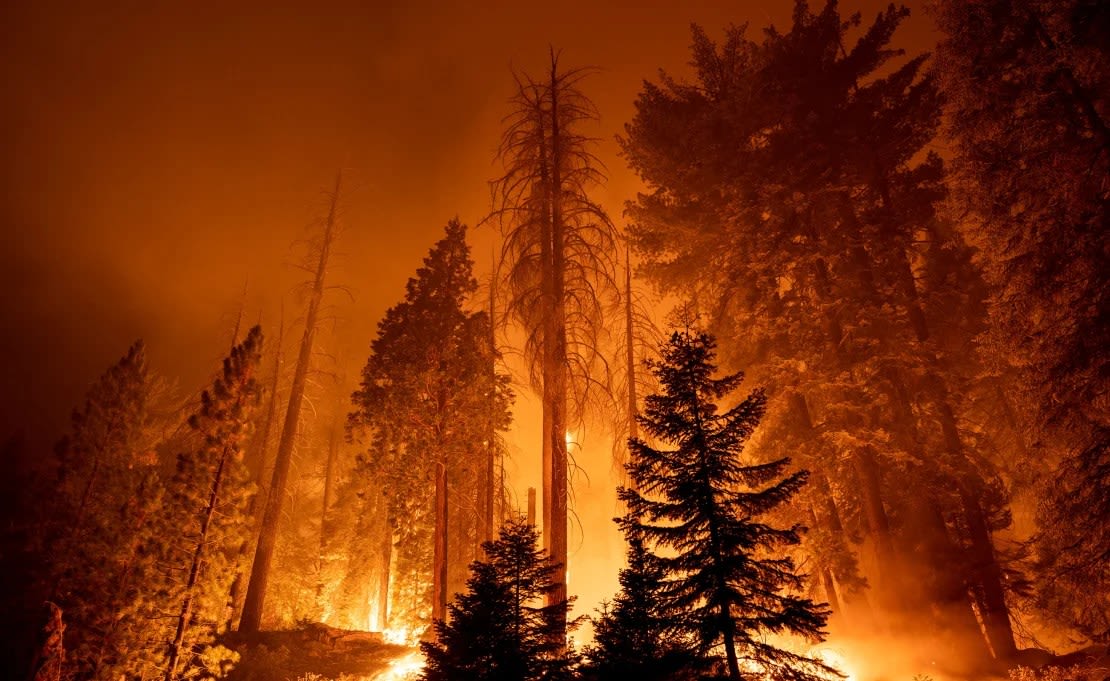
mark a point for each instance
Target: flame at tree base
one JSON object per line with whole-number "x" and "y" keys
{"x": 404, "y": 667}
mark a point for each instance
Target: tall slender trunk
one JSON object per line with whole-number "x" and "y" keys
{"x": 984, "y": 563}
{"x": 329, "y": 481}
{"x": 386, "y": 554}
{"x": 558, "y": 366}
{"x": 826, "y": 574}
{"x": 260, "y": 446}
{"x": 630, "y": 356}
{"x": 547, "y": 297}
{"x": 439, "y": 557}
{"x": 267, "y": 539}
{"x": 329, "y": 484}
{"x": 488, "y": 485}
{"x": 194, "y": 570}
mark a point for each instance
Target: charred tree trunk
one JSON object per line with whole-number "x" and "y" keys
{"x": 994, "y": 611}
{"x": 267, "y": 539}
{"x": 532, "y": 506}
{"x": 558, "y": 364}
{"x": 488, "y": 483}
{"x": 260, "y": 446}
{"x": 630, "y": 357}
{"x": 439, "y": 558}
{"x": 383, "y": 576}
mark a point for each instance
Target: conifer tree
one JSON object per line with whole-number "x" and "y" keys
{"x": 702, "y": 513}
{"x": 791, "y": 188}
{"x": 1027, "y": 83}
{"x": 428, "y": 400}
{"x": 496, "y": 630}
{"x": 205, "y": 520}
{"x": 632, "y": 638}
{"x": 107, "y": 491}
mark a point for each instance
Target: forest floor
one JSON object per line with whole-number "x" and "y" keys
{"x": 317, "y": 652}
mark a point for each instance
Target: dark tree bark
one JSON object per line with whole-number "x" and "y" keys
{"x": 251, "y": 620}
{"x": 439, "y": 558}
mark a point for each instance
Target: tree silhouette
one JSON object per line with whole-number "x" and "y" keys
{"x": 701, "y": 512}
{"x": 496, "y": 630}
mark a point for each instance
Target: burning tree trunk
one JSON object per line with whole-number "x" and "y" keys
{"x": 439, "y": 559}
{"x": 383, "y": 576}
{"x": 251, "y": 619}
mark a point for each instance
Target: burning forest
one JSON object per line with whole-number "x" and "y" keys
{"x": 442, "y": 343}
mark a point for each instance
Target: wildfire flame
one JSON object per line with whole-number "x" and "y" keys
{"x": 407, "y": 666}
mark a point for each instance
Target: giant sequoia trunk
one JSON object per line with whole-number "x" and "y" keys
{"x": 251, "y": 620}
{"x": 986, "y": 570}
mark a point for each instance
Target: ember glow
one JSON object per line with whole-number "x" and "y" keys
{"x": 315, "y": 315}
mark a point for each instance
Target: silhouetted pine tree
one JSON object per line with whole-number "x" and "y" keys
{"x": 632, "y": 638}
{"x": 497, "y": 629}
{"x": 698, "y": 509}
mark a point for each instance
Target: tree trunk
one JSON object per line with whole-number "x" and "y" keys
{"x": 329, "y": 483}
{"x": 730, "y": 646}
{"x": 488, "y": 486}
{"x": 959, "y": 628}
{"x": 383, "y": 576}
{"x": 260, "y": 571}
{"x": 532, "y": 506}
{"x": 630, "y": 358}
{"x": 995, "y": 612}
{"x": 826, "y": 573}
{"x": 260, "y": 446}
{"x": 439, "y": 558}
{"x": 558, "y": 367}
{"x": 194, "y": 571}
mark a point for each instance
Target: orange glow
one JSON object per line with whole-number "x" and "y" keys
{"x": 407, "y": 666}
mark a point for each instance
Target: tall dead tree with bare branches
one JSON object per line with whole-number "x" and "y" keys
{"x": 557, "y": 264}
{"x": 260, "y": 570}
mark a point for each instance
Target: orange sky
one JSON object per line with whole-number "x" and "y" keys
{"x": 157, "y": 155}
